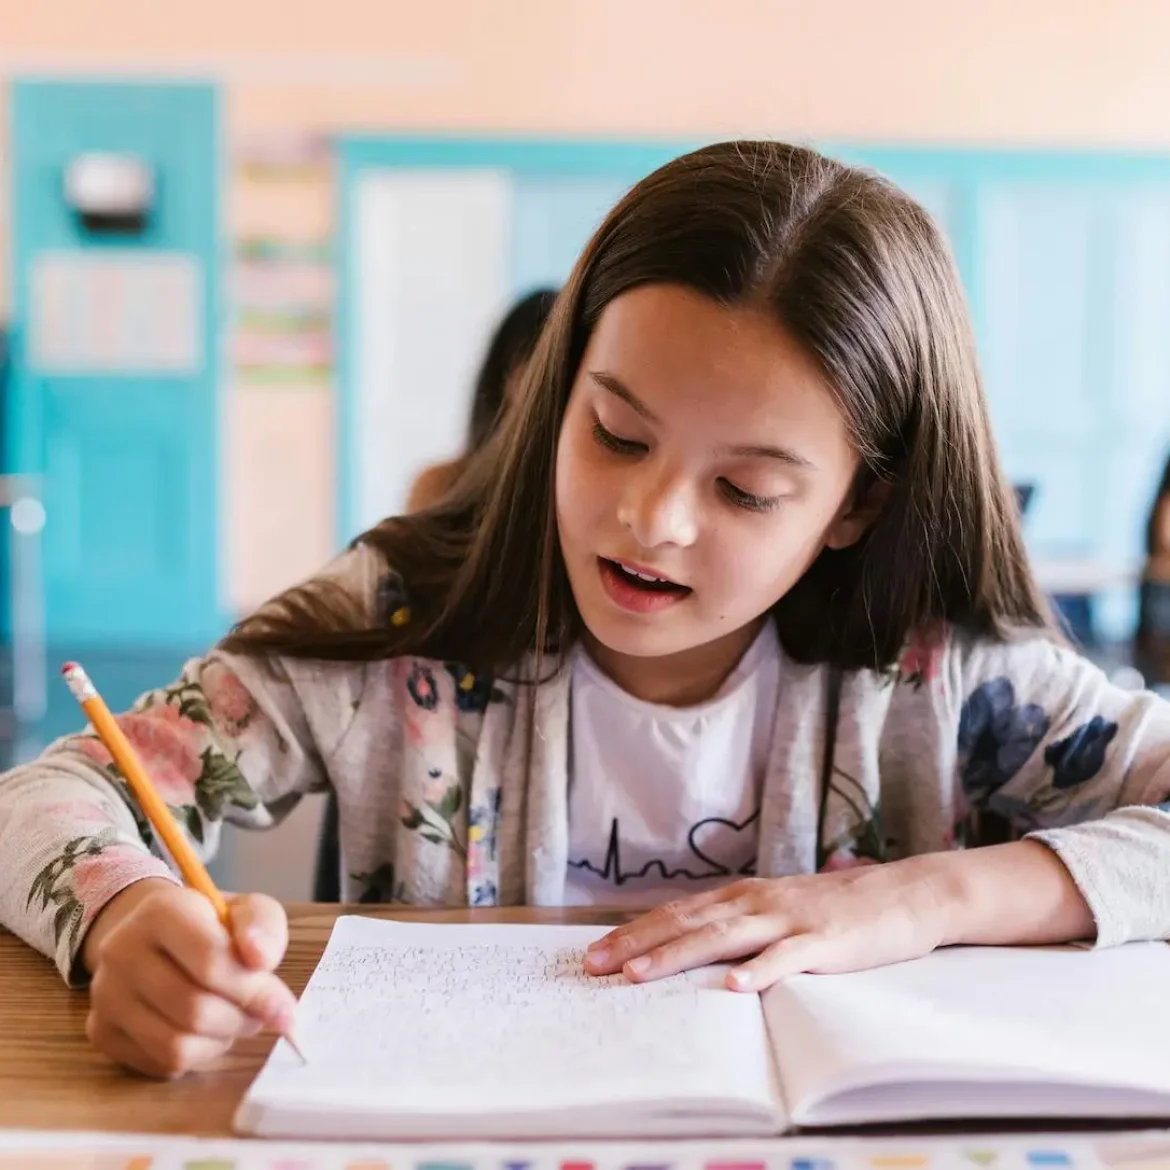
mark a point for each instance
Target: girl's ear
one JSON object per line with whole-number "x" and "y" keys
{"x": 857, "y": 515}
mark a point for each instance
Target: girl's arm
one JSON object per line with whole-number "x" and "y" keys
{"x": 230, "y": 740}
{"x": 1069, "y": 773}
{"x": 1049, "y": 749}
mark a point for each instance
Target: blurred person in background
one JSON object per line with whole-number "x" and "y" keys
{"x": 510, "y": 348}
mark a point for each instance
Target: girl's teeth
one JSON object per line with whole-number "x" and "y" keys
{"x": 642, "y": 576}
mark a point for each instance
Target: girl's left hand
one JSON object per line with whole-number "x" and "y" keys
{"x": 840, "y": 921}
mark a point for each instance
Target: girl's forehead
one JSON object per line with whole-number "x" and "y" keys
{"x": 675, "y": 350}
{"x": 666, "y": 327}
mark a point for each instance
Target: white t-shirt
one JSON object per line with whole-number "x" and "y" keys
{"x": 665, "y": 801}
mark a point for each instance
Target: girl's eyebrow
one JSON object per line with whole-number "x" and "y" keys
{"x": 783, "y": 454}
{"x": 619, "y": 389}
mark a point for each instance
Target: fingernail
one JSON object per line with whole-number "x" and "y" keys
{"x": 739, "y": 979}
{"x": 598, "y": 957}
{"x": 281, "y": 1019}
{"x": 275, "y": 1009}
{"x": 639, "y": 966}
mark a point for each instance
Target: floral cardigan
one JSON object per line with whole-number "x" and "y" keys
{"x": 452, "y": 787}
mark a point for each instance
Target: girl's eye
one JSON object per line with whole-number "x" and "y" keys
{"x": 616, "y": 442}
{"x": 737, "y": 496}
{"x": 742, "y": 499}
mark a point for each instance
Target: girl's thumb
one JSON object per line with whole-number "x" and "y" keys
{"x": 259, "y": 929}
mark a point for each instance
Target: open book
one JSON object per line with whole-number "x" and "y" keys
{"x": 419, "y": 1031}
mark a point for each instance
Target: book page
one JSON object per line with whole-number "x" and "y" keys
{"x": 997, "y": 1015}
{"x": 424, "y": 1019}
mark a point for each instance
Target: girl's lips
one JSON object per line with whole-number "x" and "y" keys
{"x": 636, "y": 598}
{"x": 643, "y": 571}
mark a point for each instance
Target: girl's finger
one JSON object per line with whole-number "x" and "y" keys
{"x": 162, "y": 986}
{"x": 260, "y": 930}
{"x": 202, "y": 949}
{"x": 787, "y": 956}
{"x": 174, "y": 1052}
{"x": 657, "y": 927}
{"x": 144, "y": 1041}
{"x": 717, "y": 941}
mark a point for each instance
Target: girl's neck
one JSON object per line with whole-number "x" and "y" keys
{"x": 676, "y": 680}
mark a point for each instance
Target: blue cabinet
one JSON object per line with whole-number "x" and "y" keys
{"x": 114, "y": 394}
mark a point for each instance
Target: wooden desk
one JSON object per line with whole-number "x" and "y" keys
{"x": 51, "y": 1078}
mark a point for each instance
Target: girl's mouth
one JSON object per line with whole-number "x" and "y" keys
{"x": 639, "y": 589}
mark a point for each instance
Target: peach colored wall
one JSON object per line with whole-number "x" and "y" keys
{"x": 1073, "y": 71}
{"x": 278, "y": 499}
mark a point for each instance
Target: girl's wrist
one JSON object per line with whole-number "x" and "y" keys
{"x": 1017, "y": 894}
{"x": 113, "y": 913}
{"x": 934, "y": 894}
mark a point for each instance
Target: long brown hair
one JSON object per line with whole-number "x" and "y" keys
{"x": 858, "y": 273}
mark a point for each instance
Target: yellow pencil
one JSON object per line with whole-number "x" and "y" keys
{"x": 153, "y": 806}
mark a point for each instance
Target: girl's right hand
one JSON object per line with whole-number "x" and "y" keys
{"x": 172, "y": 990}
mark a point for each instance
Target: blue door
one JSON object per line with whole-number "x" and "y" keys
{"x": 113, "y": 402}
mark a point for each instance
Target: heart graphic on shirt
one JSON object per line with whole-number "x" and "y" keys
{"x": 723, "y": 844}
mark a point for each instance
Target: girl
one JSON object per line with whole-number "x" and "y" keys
{"x": 733, "y": 606}
{"x": 511, "y": 346}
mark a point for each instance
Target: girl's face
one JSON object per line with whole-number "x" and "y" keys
{"x": 701, "y": 448}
